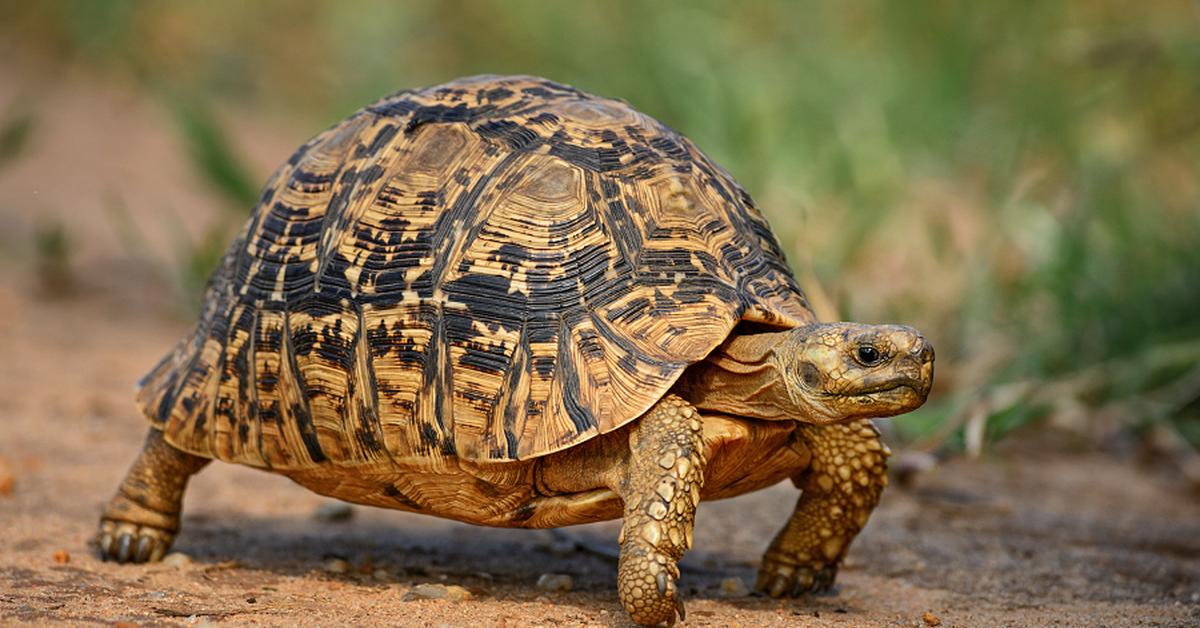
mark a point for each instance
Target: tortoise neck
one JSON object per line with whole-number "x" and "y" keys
{"x": 740, "y": 378}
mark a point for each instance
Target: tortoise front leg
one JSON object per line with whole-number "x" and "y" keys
{"x": 661, "y": 489}
{"x": 841, "y": 487}
{"x": 141, "y": 520}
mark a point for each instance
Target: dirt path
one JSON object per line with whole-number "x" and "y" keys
{"x": 1042, "y": 540}
{"x": 1027, "y": 539}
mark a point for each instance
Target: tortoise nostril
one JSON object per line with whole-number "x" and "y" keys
{"x": 922, "y": 350}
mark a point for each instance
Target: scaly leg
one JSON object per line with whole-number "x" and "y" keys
{"x": 661, "y": 489}
{"x": 841, "y": 487}
{"x": 141, "y": 520}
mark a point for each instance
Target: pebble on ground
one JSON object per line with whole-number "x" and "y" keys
{"x": 555, "y": 582}
{"x": 336, "y": 565}
{"x": 177, "y": 559}
{"x": 428, "y": 591}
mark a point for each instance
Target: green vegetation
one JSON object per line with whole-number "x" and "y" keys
{"x": 15, "y": 130}
{"x": 1019, "y": 179}
{"x": 212, "y": 155}
{"x": 52, "y": 247}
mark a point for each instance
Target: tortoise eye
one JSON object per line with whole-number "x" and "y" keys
{"x": 868, "y": 355}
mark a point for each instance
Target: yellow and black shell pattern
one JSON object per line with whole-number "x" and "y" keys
{"x": 496, "y": 268}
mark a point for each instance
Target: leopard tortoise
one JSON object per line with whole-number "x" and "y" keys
{"x": 508, "y": 302}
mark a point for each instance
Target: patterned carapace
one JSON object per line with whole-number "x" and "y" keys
{"x": 495, "y": 268}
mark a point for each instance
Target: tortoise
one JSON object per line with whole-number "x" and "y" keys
{"x": 508, "y": 302}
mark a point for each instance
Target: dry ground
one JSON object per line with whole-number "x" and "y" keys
{"x": 1031, "y": 537}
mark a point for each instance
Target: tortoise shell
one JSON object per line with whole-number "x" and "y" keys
{"x": 496, "y": 268}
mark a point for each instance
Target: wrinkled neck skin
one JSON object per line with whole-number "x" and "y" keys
{"x": 741, "y": 378}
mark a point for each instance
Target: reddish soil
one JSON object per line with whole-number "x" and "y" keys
{"x": 1035, "y": 536}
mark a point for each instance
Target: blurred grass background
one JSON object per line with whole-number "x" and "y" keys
{"x": 1017, "y": 179}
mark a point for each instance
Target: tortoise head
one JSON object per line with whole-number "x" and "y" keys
{"x": 840, "y": 371}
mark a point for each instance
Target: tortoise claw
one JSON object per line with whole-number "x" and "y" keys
{"x": 803, "y": 583}
{"x": 145, "y": 544}
{"x": 157, "y": 552}
{"x": 123, "y": 549}
{"x": 779, "y": 579}
{"x": 126, "y": 542}
{"x": 779, "y": 585}
{"x": 106, "y": 543}
{"x": 823, "y": 579}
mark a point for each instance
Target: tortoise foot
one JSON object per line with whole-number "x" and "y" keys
{"x": 779, "y": 579}
{"x": 141, "y": 520}
{"x": 127, "y": 542}
{"x": 646, "y": 583}
{"x": 661, "y": 491}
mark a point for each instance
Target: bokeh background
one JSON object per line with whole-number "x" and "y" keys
{"x": 1018, "y": 179}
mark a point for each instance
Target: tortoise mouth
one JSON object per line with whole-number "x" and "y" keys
{"x": 878, "y": 401}
{"x": 899, "y": 390}
{"x": 898, "y": 398}
{"x": 899, "y": 386}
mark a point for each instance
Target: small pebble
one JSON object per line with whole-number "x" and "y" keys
{"x": 555, "y": 582}
{"x": 733, "y": 587}
{"x": 437, "y": 592}
{"x": 930, "y": 619}
{"x": 334, "y": 511}
{"x": 252, "y": 600}
{"x": 177, "y": 559}
{"x": 62, "y": 557}
{"x": 336, "y": 565}
{"x": 381, "y": 574}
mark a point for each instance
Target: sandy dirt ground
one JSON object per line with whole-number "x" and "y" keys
{"x": 1033, "y": 535}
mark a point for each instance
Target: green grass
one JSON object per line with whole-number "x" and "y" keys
{"x": 15, "y": 131}
{"x": 53, "y": 250}
{"x": 211, "y": 153}
{"x": 1018, "y": 179}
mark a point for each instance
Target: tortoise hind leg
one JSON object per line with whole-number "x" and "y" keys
{"x": 841, "y": 487}
{"x": 141, "y": 520}
{"x": 661, "y": 489}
